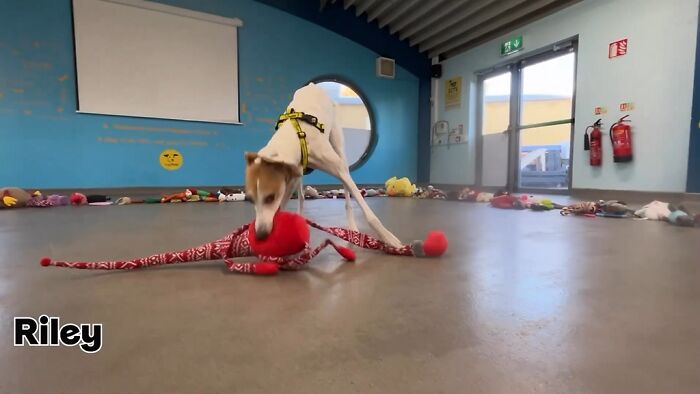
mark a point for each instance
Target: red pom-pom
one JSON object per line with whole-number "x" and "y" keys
{"x": 435, "y": 244}
{"x": 45, "y": 261}
{"x": 347, "y": 253}
{"x": 290, "y": 234}
{"x": 265, "y": 268}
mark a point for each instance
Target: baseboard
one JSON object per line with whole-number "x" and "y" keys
{"x": 631, "y": 196}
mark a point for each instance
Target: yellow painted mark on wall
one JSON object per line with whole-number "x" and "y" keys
{"x": 171, "y": 159}
{"x": 266, "y": 120}
{"x": 2, "y": 95}
{"x": 244, "y": 108}
{"x": 36, "y": 44}
{"x": 120, "y": 126}
{"x": 260, "y": 79}
{"x": 59, "y": 109}
{"x": 63, "y": 77}
{"x": 18, "y": 90}
{"x": 27, "y": 111}
{"x": 105, "y": 125}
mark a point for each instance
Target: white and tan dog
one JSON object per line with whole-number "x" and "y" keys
{"x": 276, "y": 171}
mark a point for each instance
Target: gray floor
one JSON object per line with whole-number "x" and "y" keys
{"x": 524, "y": 302}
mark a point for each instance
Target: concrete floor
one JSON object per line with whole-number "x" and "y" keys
{"x": 524, "y": 302}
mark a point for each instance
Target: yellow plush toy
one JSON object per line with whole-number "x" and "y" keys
{"x": 399, "y": 187}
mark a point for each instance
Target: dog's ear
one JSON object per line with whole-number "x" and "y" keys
{"x": 250, "y": 157}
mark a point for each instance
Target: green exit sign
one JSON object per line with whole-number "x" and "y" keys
{"x": 511, "y": 46}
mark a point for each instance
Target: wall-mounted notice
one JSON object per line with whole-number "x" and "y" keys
{"x": 453, "y": 92}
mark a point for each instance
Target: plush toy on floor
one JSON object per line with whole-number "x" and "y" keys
{"x": 286, "y": 248}
{"x": 655, "y": 210}
{"x": 399, "y": 187}
{"x": 585, "y": 208}
{"x": 680, "y": 216}
{"x": 13, "y": 197}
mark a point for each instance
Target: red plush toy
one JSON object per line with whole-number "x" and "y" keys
{"x": 287, "y": 248}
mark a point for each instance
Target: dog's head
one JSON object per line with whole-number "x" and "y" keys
{"x": 267, "y": 185}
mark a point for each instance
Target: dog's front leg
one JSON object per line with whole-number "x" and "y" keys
{"x": 301, "y": 196}
{"x": 372, "y": 219}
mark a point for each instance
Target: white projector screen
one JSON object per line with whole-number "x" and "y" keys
{"x": 145, "y": 59}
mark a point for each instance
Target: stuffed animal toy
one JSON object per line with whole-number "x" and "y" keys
{"x": 37, "y": 200}
{"x": 585, "y": 208}
{"x": 175, "y": 197}
{"x": 371, "y": 192}
{"x": 92, "y": 199}
{"x": 680, "y": 216}
{"x": 431, "y": 192}
{"x": 311, "y": 193}
{"x": 464, "y": 193}
{"x": 504, "y": 201}
{"x": 399, "y": 187}
{"x": 471, "y": 196}
{"x": 286, "y": 248}
{"x": 13, "y": 197}
{"x": 334, "y": 193}
{"x": 484, "y": 197}
{"x": 544, "y": 204}
{"x": 58, "y": 200}
{"x": 614, "y": 209}
{"x": 655, "y": 210}
{"x": 78, "y": 199}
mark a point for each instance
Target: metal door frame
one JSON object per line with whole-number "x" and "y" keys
{"x": 515, "y": 67}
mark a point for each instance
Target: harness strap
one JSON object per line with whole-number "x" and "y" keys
{"x": 294, "y": 117}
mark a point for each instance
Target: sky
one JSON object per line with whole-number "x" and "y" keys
{"x": 551, "y": 77}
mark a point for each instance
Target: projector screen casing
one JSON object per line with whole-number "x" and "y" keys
{"x": 144, "y": 59}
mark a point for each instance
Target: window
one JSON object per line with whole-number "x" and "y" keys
{"x": 354, "y": 117}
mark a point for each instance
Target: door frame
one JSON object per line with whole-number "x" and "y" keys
{"x": 515, "y": 66}
{"x": 480, "y": 120}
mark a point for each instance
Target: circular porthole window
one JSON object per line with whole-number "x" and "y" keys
{"x": 354, "y": 117}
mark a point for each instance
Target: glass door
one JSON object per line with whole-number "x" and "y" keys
{"x": 495, "y": 110}
{"x": 545, "y": 123}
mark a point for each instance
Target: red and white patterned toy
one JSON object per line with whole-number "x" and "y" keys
{"x": 286, "y": 248}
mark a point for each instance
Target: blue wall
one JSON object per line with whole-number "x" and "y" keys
{"x": 693, "y": 182}
{"x": 45, "y": 144}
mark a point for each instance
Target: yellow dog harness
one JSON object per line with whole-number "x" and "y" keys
{"x": 294, "y": 117}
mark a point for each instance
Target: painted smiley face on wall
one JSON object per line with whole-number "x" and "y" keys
{"x": 170, "y": 159}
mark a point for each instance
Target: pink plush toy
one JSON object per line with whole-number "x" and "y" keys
{"x": 286, "y": 248}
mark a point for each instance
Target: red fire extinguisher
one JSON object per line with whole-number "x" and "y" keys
{"x": 621, "y": 138}
{"x": 595, "y": 145}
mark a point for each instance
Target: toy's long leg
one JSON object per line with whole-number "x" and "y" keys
{"x": 364, "y": 240}
{"x": 233, "y": 245}
{"x": 252, "y": 268}
{"x": 307, "y": 254}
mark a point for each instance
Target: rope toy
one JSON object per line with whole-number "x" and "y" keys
{"x": 286, "y": 248}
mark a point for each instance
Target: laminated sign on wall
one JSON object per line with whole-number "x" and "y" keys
{"x": 453, "y": 92}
